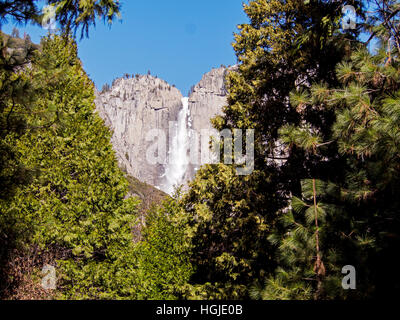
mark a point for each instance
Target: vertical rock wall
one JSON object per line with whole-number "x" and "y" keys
{"x": 131, "y": 108}
{"x": 205, "y": 102}
{"x": 134, "y": 106}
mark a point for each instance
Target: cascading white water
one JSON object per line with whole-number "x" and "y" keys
{"x": 178, "y": 158}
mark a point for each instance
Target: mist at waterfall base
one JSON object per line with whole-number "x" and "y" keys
{"x": 178, "y": 157}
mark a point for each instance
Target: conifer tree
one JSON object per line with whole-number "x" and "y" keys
{"x": 364, "y": 226}
{"x": 17, "y": 90}
{"x": 284, "y": 44}
{"x": 72, "y": 16}
{"x": 301, "y": 267}
{"x": 164, "y": 254}
{"x": 75, "y": 203}
{"x": 15, "y": 33}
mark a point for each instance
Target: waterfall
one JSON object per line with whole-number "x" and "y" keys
{"x": 178, "y": 158}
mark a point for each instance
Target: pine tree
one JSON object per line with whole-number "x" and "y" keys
{"x": 364, "y": 227}
{"x": 75, "y": 203}
{"x": 164, "y": 254}
{"x": 284, "y": 44}
{"x": 15, "y": 33}
{"x": 308, "y": 252}
{"x": 72, "y": 16}
{"x": 17, "y": 90}
{"x": 105, "y": 88}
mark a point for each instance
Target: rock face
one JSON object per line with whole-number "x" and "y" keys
{"x": 131, "y": 108}
{"x": 207, "y": 99}
{"x": 134, "y": 106}
{"x": 205, "y": 102}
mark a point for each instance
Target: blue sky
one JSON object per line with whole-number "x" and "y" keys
{"x": 177, "y": 40}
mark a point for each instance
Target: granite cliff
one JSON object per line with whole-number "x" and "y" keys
{"x": 134, "y": 106}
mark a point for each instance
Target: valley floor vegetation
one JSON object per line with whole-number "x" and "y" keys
{"x": 325, "y": 106}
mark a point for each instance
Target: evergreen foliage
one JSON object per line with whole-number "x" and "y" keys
{"x": 326, "y": 172}
{"x": 228, "y": 232}
{"x": 345, "y": 121}
{"x": 164, "y": 253}
{"x": 76, "y": 198}
{"x": 15, "y": 33}
{"x": 71, "y": 15}
{"x": 323, "y": 194}
{"x": 366, "y": 132}
{"x": 75, "y": 206}
{"x": 284, "y": 44}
